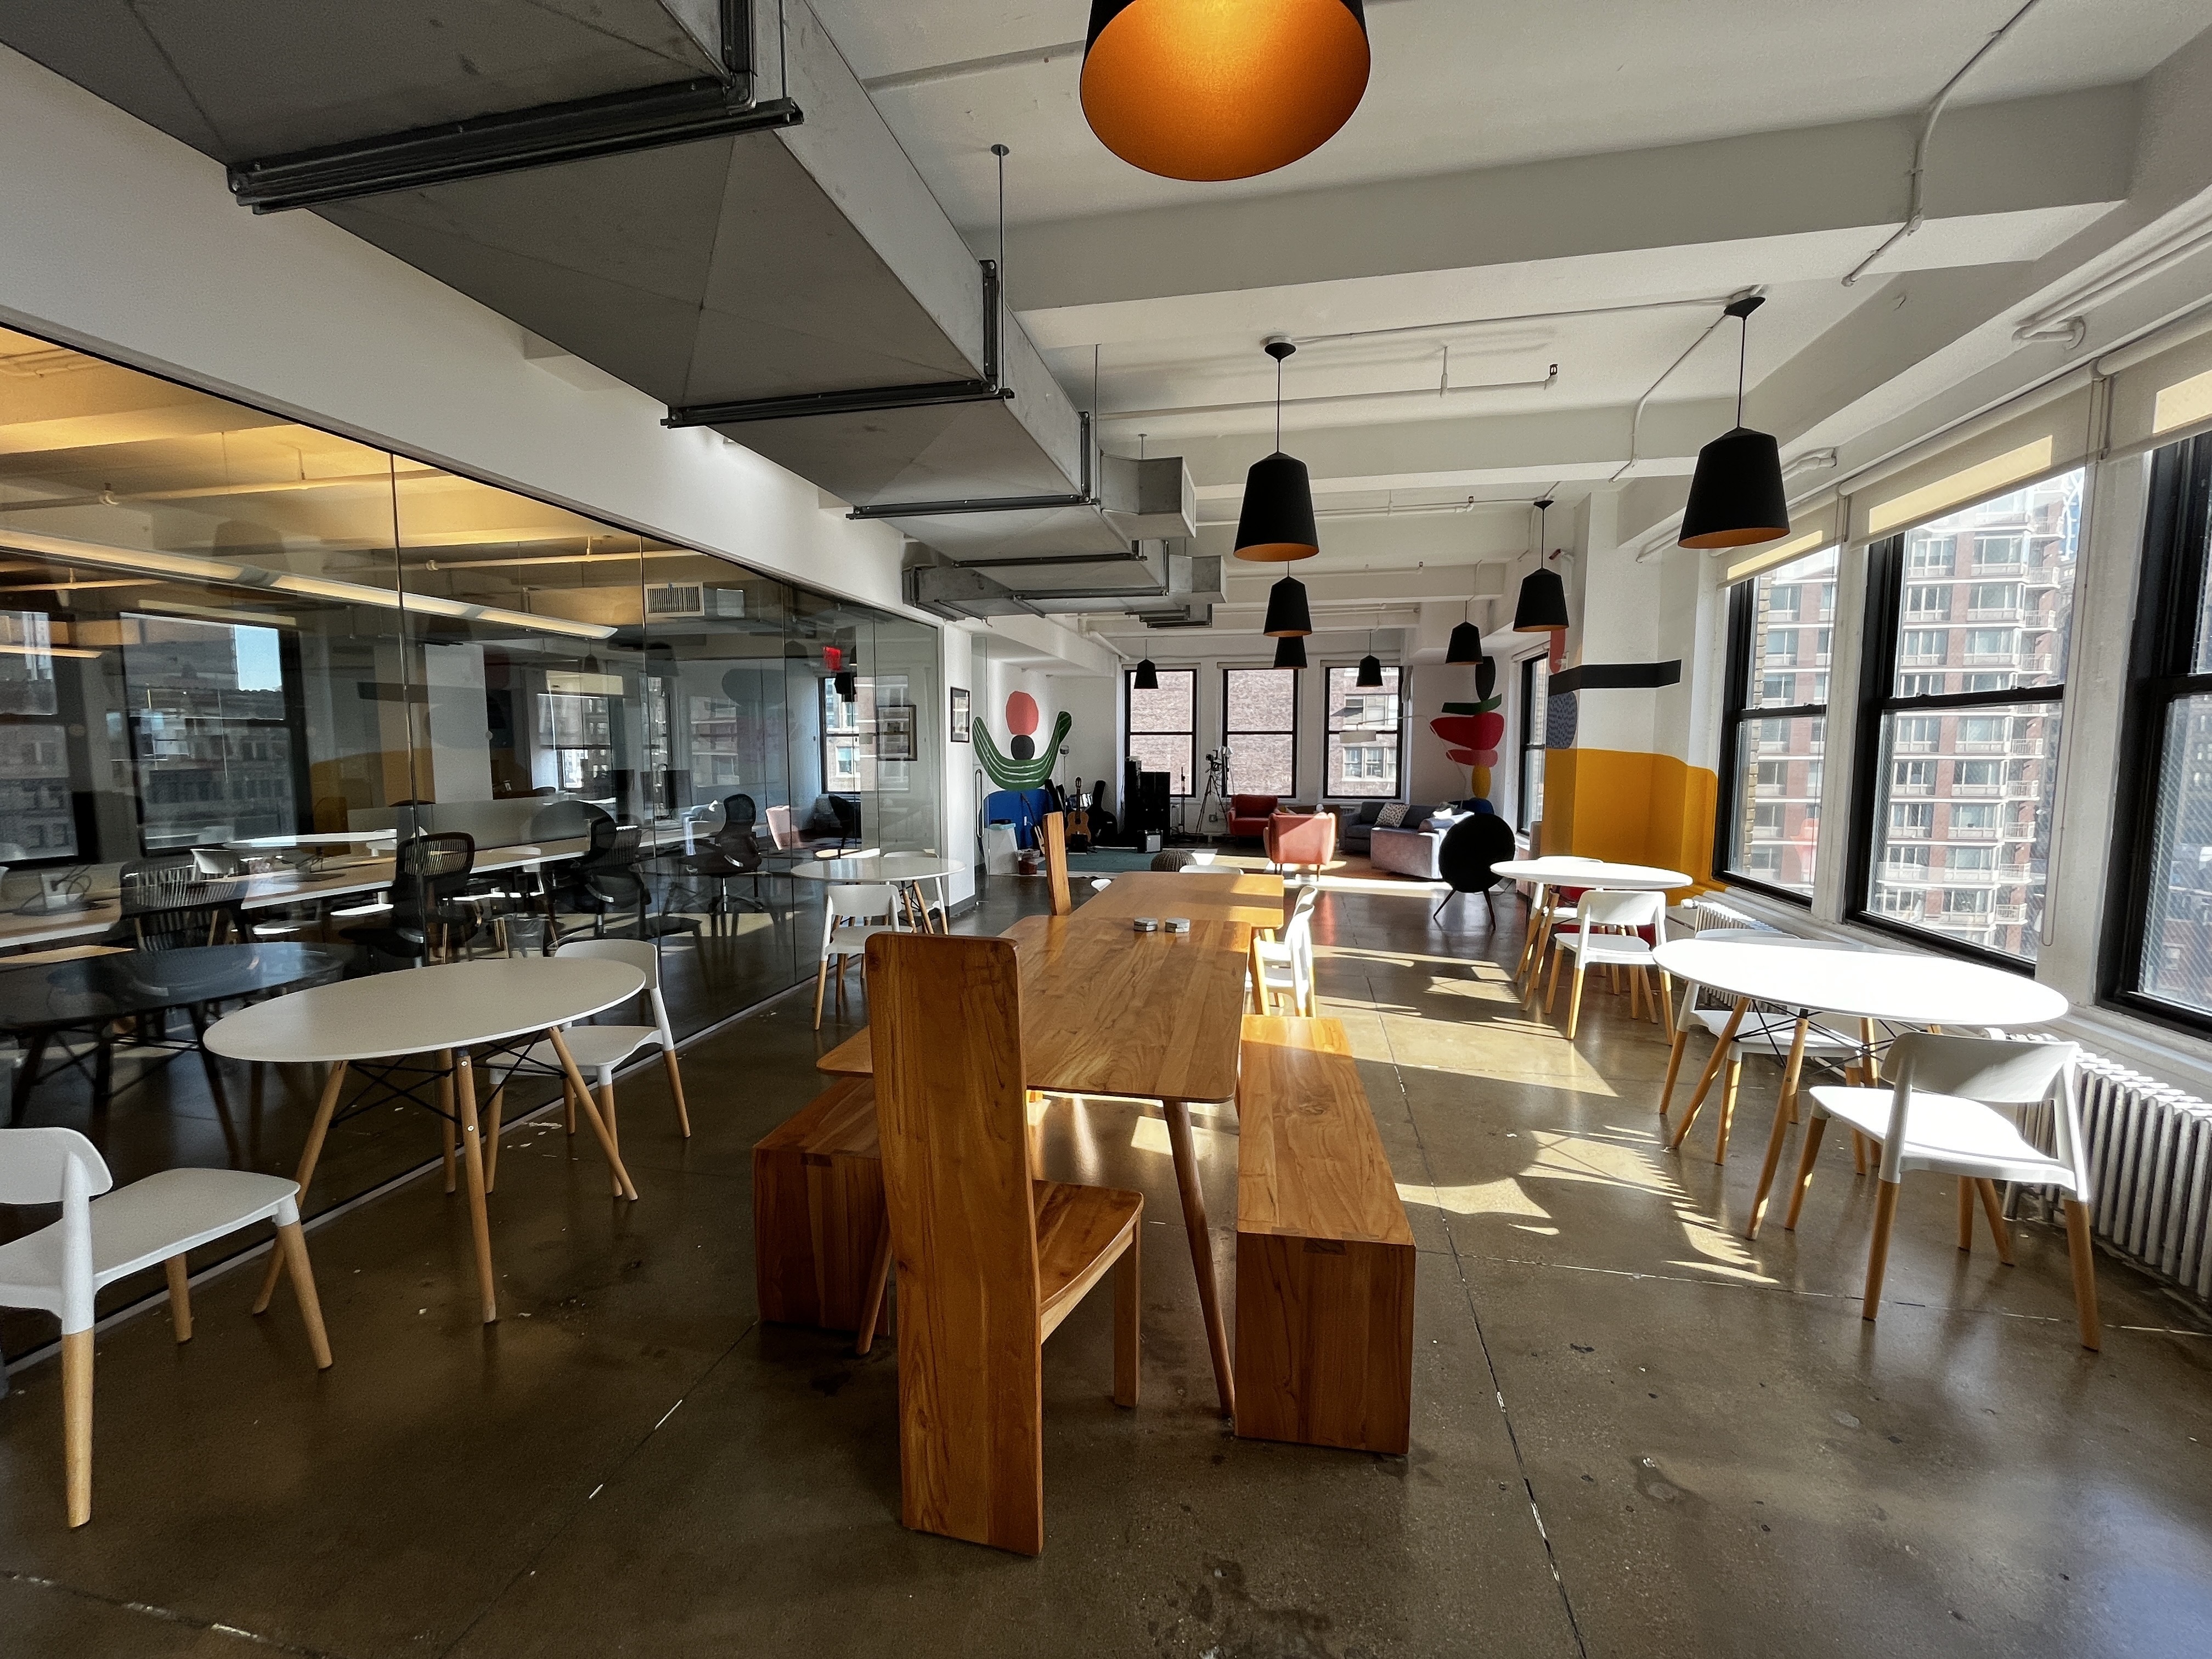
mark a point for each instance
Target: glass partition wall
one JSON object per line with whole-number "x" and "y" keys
{"x": 225, "y": 632}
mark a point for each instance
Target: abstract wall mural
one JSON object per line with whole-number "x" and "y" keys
{"x": 1026, "y": 766}
{"x": 1474, "y": 731}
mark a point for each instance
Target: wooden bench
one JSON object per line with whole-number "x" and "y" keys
{"x": 819, "y": 1216}
{"x": 1324, "y": 1255}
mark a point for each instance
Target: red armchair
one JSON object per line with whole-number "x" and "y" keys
{"x": 1293, "y": 840}
{"x": 1249, "y": 815}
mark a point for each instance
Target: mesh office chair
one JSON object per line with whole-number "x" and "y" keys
{"x": 428, "y": 921}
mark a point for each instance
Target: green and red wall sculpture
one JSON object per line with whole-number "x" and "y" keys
{"x": 1475, "y": 731}
{"x": 1027, "y": 767}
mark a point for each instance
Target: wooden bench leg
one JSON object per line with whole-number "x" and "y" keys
{"x": 1128, "y": 1303}
{"x": 879, "y": 1273}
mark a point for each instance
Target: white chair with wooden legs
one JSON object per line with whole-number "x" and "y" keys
{"x": 1286, "y": 965}
{"x": 1952, "y": 1107}
{"x": 598, "y": 1049}
{"x": 849, "y": 920}
{"x": 1604, "y": 936}
{"x": 61, "y": 1267}
{"x": 1757, "y": 1032}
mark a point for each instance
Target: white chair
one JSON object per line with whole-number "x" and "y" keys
{"x": 62, "y": 1267}
{"x": 849, "y": 922}
{"x": 1286, "y": 965}
{"x": 1604, "y": 933}
{"x": 598, "y": 1049}
{"x": 1757, "y": 1032}
{"x": 1952, "y": 1107}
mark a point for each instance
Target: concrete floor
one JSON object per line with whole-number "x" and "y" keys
{"x": 1634, "y": 1433}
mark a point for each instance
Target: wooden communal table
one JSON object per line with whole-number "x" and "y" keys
{"x": 1108, "y": 1011}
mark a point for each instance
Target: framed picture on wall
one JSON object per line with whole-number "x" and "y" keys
{"x": 960, "y": 716}
{"x": 894, "y": 731}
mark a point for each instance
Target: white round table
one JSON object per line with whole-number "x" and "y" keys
{"x": 443, "y": 1012}
{"x": 1566, "y": 871}
{"x": 904, "y": 871}
{"x": 1813, "y": 976}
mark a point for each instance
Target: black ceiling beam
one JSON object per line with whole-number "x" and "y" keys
{"x": 615, "y": 123}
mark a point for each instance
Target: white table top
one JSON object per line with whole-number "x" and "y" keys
{"x": 418, "y": 1010}
{"x": 888, "y": 866}
{"x": 320, "y": 838}
{"x": 1593, "y": 872}
{"x": 1905, "y": 987}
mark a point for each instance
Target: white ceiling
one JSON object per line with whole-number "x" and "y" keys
{"x": 1476, "y": 84}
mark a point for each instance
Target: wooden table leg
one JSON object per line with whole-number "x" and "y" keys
{"x": 1781, "y": 1133}
{"x": 1713, "y": 1064}
{"x": 625, "y": 1186}
{"x": 308, "y": 1157}
{"x": 1528, "y": 933}
{"x": 464, "y": 1101}
{"x": 1201, "y": 1248}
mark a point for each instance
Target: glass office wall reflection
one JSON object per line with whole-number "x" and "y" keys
{"x": 239, "y": 656}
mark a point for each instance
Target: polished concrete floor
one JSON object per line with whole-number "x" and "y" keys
{"x": 1635, "y": 1434}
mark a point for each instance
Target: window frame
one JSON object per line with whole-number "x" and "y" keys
{"x": 1535, "y": 729}
{"x": 1129, "y": 729}
{"x": 1228, "y": 737}
{"x": 2176, "y": 549}
{"x": 1888, "y": 574}
{"x": 1737, "y": 710}
{"x": 1329, "y": 728}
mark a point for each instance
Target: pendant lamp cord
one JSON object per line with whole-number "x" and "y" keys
{"x": 1742, "y": 352}
{"x": 1279, "y": 405}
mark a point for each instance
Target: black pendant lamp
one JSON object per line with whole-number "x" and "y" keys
{"x": 849, "y": 684}
{"x": 1542, "y": 605}
{"x": 1735, "y": 495}
{"x": 1465, "y": 649}
{"x": 1291, "y": 653}
{"x": 1277, "y": 523}
{"x": 1287, "y": 615}
{"x": 1370, "y": 678}
{"x": 1226, "y": 89}
{"x": 1148, "y": 678}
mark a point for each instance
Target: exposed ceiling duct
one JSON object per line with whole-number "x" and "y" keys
{"x": 697, "y": 198}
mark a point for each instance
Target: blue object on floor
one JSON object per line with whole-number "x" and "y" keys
{"x": 1023, "y": 808}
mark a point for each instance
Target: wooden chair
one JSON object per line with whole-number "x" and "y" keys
{"x": 1053, "y": 832}
{"x": 1952, "y": 1107}
{"x": 989, "y": 1262}
{"x": 61, "y": 1267}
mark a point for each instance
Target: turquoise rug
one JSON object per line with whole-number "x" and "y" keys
{"x": 1107, "y": 860}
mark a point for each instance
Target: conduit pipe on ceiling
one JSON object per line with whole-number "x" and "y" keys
{"x": 1913, "y": 210}
{"x": 1636, "y": 419}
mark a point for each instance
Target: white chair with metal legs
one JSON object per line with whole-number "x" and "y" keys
{"x": 1757, "y": 1032}
{"x": 1604, "y": 935}
{"x": 1286, "y": 965}
{"x": 1952, "y": 1107}
{"x": 61, "y": 1267}
{"x": 598, "y": 1049}
{"x": 848, "y": 921}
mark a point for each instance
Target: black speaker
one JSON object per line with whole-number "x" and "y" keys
{"x": 1147, "y": 804}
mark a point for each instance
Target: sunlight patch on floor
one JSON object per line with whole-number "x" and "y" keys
{"x": 1505, "y": 1197}
{"x": 1578, "y": 1157}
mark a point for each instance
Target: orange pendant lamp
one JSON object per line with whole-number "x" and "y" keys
{"x": 1212, "y": 89}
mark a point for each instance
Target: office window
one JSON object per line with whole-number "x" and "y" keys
{"x": 1259, "y": 728}
{"x": 1535, "y": 710}
{"x": 1777, "y": 723}
{"x": 1162, "y": 724}
{"x": 2159, "y": 951}
{"x": 1960, "y": 727}
{"x": 1365, "y": 734}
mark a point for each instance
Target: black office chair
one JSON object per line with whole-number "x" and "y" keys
{"x": 710, "y": 867}
{"x": 429, "y": 918}
{"x": 738, "y": 812}
{"x": 1471, "y": 848}
{"x": 170, "y": 904}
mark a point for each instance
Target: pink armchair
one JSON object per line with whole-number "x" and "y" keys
{"x": 1301, "y": 841}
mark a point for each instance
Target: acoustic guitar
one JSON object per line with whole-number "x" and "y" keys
{"x": 1078, "y": 821}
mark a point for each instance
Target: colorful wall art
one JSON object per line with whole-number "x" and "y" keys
{"x": 1474, "y": 731}
{"x": 1026, "y": 766}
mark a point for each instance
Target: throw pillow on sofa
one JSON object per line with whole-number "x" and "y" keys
{"x": 1391, "y": 816}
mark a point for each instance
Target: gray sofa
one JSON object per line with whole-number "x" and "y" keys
{"x": 1355, "y": 830}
